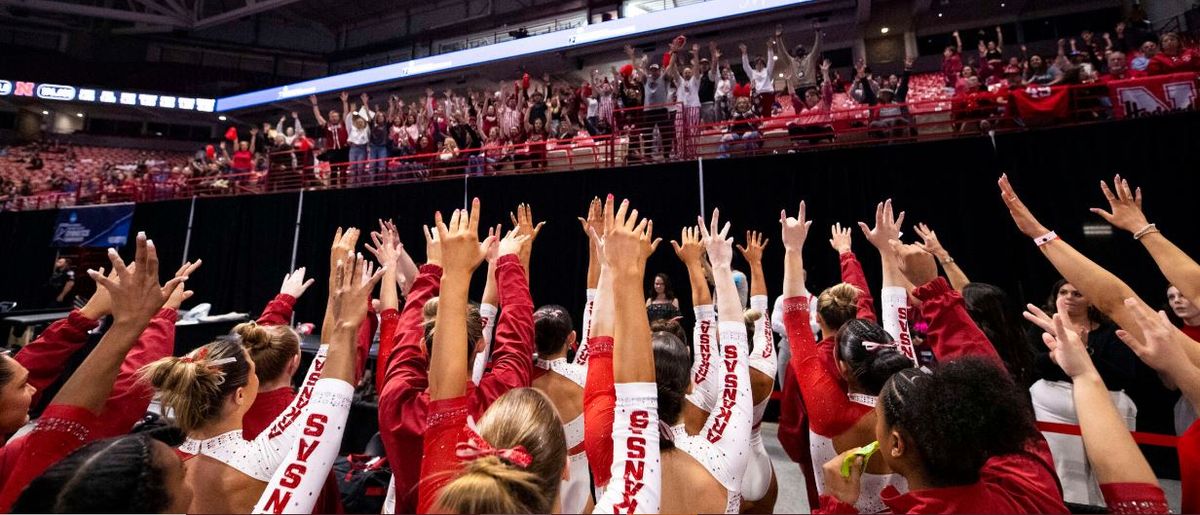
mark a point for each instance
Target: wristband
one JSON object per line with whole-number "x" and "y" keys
{"x": 948, "y": 261}
{"x": 1045, "y": 238}
{"x": 1151, "y": 228}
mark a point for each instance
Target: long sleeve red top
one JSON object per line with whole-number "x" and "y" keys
{"x": 62, "y": 429}
{"x": 793, "y": 422}
{"x": 403, "y": 401}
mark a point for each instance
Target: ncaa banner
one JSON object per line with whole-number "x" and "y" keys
{"x": 1148, "y": 96}
{"x": 93, "y": 226}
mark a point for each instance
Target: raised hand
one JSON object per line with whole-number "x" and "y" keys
{"x": 917, "y": 265}
{"x": 462, "y": 251}
{"x": 1125, "y": 206}
{"x": 343, "y": 243}
{"x": 354, "y": 280}
{"x": 385, "y": 246}
{"x": 689, "y": 248}
{"x": 795, "y": 230}
{"x": 177, "y": 296}
{"x": 1161, "y": 345}
{"x": 344, "y": 96}
{"x": 1021, "y": 215}
{"x": 778, "y": 30}
{"x": 1067, "y": 349}
{"x": 594, "y": 220}
{"x": 433, "y": 247}
{"x": 887, "y": 226}
{"x": 312, "y": 99}
{"x": 743, "y": 48}
{"x": 100, "y": 304}
{"x": 136, "y": 294}
{"x": 840, "y": 238}
{"x": 512, "y": 243}
{"x": 294, "y": 283}
{"x": 931, "y": 243}
{"x": 717, "y": 243}
{"x": 523, "y": 222}
{"x": 753, "y": 251}
{"x": 627, "y": 240}
{"x": 493, "y": 250}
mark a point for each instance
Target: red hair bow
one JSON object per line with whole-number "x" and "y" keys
{"x": 476, "y": 447}
{"x": 741, "y": 90}
{"x": 627, "y": 70}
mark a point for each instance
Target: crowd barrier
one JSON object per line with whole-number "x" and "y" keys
{"x": 673, "y": 132}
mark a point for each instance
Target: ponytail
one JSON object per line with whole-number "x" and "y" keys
{"x": 870, "y": 354}
{"x": 489, "y": 485}
{"x": 271, "y": 348}
{"x": 838, "y": 305}
{"x": 194, "y": 387}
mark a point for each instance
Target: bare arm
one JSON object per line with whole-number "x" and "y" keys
{"x": 317, "y": 110}
{"x": 958, "y": 279}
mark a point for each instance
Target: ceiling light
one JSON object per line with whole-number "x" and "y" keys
{"x": 939, "y": 15}
{"x": 883, "y": 30}
{"x": 1001, "y": 4}
{"x": 222, "y": 118}
{"x": 45, "y": 112}
{"x": 79, "y": 115}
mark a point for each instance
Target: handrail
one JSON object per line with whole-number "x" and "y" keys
{"x": 641, "y": 136}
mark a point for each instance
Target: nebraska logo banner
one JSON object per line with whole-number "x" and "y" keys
{"x": 1147, "y": 96}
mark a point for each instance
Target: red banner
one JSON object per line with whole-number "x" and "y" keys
{"x": 1042, "y": 103}
{"x": 1147, "y": 96}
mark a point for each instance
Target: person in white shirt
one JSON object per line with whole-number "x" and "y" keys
{"x": 761, "y": 78}
{"x": 687, "y": 95}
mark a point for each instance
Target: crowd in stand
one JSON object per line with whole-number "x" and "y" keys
{"x": 689, "y": 101}
{"x": 921, "y": 403}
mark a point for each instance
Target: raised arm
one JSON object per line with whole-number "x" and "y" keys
{"x": 343, "y": 243}
{"x": 706, "y": 362}
{"x": 746, "y": 60}
{"x": 952, "y": 332}
{"x": 461, "y": 254}
{"x": 1125, "y": 212}
{"x": 957, "y": 42}
{"x": 316, "y": 108}
{"x": 895, "y": 286}
{"x": 852, "y": 271}
{"x": 762, "y": 359}
{"x": 136, "y": 298}
{"x": 1000, "y": 39}
{"x": 626, "y": 244}
{"x": 593, "y": 221}
{"x": 784, "y": 55}
{"x": 771, "y": 60}
{"x": 958, "y": 278}
{"x": 1104, "y": 290}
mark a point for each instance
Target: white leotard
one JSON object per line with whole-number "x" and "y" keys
{"x": 636, "y": 484}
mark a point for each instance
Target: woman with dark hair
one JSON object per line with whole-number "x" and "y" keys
{"x": 1173, "y": 57}
{"x": 993, "y": 312}
{"x": 129, "y": 474}
{"x": 1052, "y": 391}
{"x": 83, "y": 409}
{"x": 661, "y": 302}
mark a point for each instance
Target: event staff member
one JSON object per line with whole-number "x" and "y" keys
{"x": 60, "y": 284}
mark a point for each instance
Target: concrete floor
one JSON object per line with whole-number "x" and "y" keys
{"x": 793, "y": 499}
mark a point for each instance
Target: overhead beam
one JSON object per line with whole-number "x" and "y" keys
{"x": 240, "y": 12}
{"x": 151, "y": 5}
{"x": 96, "y": 12}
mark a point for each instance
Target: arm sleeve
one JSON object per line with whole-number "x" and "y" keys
{"x": 278, "y": 311}
{"x": 952, "y": 334}
{"x": 440, "y": 464}
{"x": 407, "y": 366}
{"x": 59, "y": 431}
{"x": 705, "y": 361}
{"x": 895, "y": 318}
{"x": 852, "y": 273}
{"x": 513, "y": 358}
{"x": 727, "y": 429}
{"x": 47, "y": 356}
{"x": 746, "y": 66}
{"x": 130, "y": 397}
{"x": 770, "y": 63}
{"x": 387, "y": 335}
{"x": 1134, "y": 498}
{"x": 599, "y": 398}
{"x": 295, "y": 486}
{"x": 581, "y": 356}
{"x": 762, "y": 357}
{"x": 281, "y": 433}
{"x": 830, "y": 412}
{"x": 636, "y": 461}
{"x": 488, "y": 313}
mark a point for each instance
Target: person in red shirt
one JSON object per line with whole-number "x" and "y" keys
{"x": 1173, "y": 57}
{"x": 77, "y": 414}
{"x": 404, "y": 402}
{"x": 952, "y": 63}
{"x": 242, "y": 161}
{"x": 1188, "y": 313}
{"x": 337, "y": 147}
